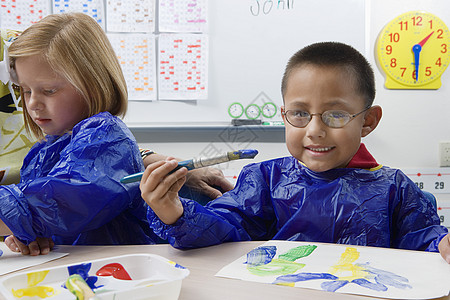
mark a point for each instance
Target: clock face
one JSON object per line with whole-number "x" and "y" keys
{"x": 269, "y": 110}
{"x": 252, "y": 111}
{"x": 413, "y": 51}
{"x": 235, "y": 110}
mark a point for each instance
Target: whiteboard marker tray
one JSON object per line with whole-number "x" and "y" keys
{"x": 135, "y": 276}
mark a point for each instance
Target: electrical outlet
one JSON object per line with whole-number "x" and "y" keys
{"x": 444, "y": 154}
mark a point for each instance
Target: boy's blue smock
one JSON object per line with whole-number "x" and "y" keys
{"x": 70, "y": 189}
{"x": 283, "y": 200}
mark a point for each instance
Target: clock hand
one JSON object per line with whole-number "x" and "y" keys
{"x": 425, "y": 39}
{"x": 416, "y": 49}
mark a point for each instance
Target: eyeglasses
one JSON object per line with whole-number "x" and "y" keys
{"x": 331, "y": 118}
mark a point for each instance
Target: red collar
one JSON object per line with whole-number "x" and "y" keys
{"x": 362, "y": 159}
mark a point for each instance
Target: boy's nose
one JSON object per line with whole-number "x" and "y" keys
{"x": 316, "y": 127}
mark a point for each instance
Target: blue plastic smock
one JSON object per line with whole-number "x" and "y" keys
{"x": 283, "y": 200}
{"x": 70, "y": 188}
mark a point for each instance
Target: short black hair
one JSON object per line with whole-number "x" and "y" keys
{"x": 335, "y": 54}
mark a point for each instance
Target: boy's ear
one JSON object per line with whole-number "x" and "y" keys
{"x": 371, "y": 120}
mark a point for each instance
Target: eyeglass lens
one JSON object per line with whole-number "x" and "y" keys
{"x": 331, "y": 118}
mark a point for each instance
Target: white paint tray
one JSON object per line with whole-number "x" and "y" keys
{"x": 152, "y": 277}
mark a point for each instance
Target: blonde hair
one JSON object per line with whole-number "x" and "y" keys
{"x": 77, "y": 48}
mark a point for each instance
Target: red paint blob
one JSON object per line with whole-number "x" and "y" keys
{"x": 115, "y": 270}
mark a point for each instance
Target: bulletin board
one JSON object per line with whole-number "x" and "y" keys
{"x": 245, "y": 47}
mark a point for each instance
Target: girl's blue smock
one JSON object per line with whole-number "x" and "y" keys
{"x": 70, "y": 188}
{"x": 283, "y": 200}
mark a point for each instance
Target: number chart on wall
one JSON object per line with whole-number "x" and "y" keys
{"x": 135, "y": 31}
{"x": 433, "y": 180}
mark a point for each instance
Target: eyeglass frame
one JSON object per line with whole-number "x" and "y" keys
{"x": 320, "y": 114}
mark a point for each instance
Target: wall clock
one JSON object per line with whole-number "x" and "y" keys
{"x": 413, "y": 51}
{"x": 235, "y": 110}
{"x": 252, "y": 111}
{"x": 269, "y": 110}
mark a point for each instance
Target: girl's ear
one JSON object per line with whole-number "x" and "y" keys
{"x": 371, "y": 120}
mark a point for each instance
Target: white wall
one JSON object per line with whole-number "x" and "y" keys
{"x": 413, "y": 123}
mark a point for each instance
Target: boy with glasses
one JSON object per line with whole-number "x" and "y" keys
{"x": 330, "y": 190}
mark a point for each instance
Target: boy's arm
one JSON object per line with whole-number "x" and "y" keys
{"x": 160, "y": 190}
{"x": 245, "y": 213}
{"x": 206, "y": 181}
{"x": 416, "y": 220}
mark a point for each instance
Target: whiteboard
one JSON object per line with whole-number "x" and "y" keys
{"x": 250, "y": 42}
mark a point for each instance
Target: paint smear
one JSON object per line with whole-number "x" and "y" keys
{"x": 115, "y": 270}
{"x": 345, "y": 271}
{"x": 261, "y": 255}
{"x": 275, "y": 267}
{"x": 83, "y": 271}
{"x": 387, "y": 278}
{"x": 345, "y": 268}
{"x": 298, "y": 252}
{"x": 33, "y": 290}
{"x": 261, "y": 263}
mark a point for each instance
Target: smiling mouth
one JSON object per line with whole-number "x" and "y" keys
{"x": 321, "y": 149}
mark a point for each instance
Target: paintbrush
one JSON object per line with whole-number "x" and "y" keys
{"x": 77, "y": 286}
{"x": 201, "y": 162}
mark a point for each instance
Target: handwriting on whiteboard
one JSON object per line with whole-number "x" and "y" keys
{"x": 265, "y": 7}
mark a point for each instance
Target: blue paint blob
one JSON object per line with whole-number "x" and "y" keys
{"x": 304, "y": 277}
{"x": 370, "y": 285}
{"x": 1, "y": 252}
{"x": 247, "y": 153}
{"x": 83, "y": 271}
{"x": 261, "y": 255}
{"x": 333, "y": 286}
{"x": 179, "y": 266}
{"x": 386, "y": 277}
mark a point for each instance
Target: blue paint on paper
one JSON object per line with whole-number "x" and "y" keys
{"x": 304, "y": 277}
{"x": 333, "y": 286}
{"x": 370, "y": 285}
{"x": 261, "y": 255}
{"x": 386, "y": 277}
{"x": 1, "y": 252}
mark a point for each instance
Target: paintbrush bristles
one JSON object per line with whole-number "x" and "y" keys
{"x": 77, "y": 286}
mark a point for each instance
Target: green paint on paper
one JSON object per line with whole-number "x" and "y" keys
{"x": 275, "y": 267}
{"x": 298, "y": 252}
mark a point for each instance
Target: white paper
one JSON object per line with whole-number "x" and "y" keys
{"x": 19, "y": 15}
{"x": 12, "y": 261}
{"x": 380, "y": 272}
{"x": 183, "y": 15}
{"x": 183, "y": 66}
{"x": 130, "y": 15}
{"x": 136, "y": 54}
{"x": 93, "y": 8}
